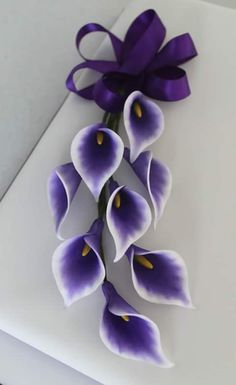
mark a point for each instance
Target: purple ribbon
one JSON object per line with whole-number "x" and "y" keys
{"x": 140, "y": 64}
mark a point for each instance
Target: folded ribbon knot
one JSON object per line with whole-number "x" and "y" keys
{"x": 140, "y": 64}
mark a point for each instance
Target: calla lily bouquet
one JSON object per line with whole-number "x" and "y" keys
{"x": 142, "y": 69}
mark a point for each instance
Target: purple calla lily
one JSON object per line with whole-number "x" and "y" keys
{"x": 77, "y": 266}
{"x": 128, "y": 217}
{"x": 62, "y": 186}
{"x": 127, "y": 333}
{"x": 144, "y": 122}
{"x": 155, "y": 176}
{"x": 96, "y": 152}
{"x": 159, "y": 276}
{"x": 142, "y": 68}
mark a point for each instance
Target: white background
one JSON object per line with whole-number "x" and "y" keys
{"x": 37, "y": 50}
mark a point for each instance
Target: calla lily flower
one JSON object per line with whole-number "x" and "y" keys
{"x": 77, "y": 265}
{"x": 155, "y": 176}
{"x": 159, "y": 276}
{"x": 127, "y": 333}
{"x": 128, "y": 217}
{"x": 96, "y": 152}
{"x": 62, "y": 186}
{"x": 144, "y": 122}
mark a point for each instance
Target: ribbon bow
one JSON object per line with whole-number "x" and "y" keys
{"x": 140, "y": 64}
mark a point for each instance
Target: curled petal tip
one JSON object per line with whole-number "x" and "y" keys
{"x": 168, "y": 365}
{"x": 117, "y": 258}
{"x": 59, "y": 236}
{"x": 68, "y": 303}
{"x": 189, "y": 304}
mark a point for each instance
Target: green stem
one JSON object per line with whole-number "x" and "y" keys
{"x": 102, "y": 203}
{"x": 111, "y": 120}
{"x": 105, "y": 117}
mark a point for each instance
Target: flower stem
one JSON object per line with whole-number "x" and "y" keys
{"x": 111, "y": 120}
{"x": 102, "y": 203}
{"x": 105, "y": 117}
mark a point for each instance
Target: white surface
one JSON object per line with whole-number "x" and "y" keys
{"x": 22, "y": 365}
{"x": 199, "y": 222}
{"x": 224, "y": 3}
{"x": 37, "y": 52}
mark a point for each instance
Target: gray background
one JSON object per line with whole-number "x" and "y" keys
{"x": 37, "y": 51}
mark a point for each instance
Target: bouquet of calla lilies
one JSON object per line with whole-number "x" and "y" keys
{"x": 79, "y": 264}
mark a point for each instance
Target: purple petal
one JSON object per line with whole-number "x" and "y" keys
{"x": 156, "y": 177}
{"x": 144, "y": 122}
{"x": 96, "y": 153}
{"x": 128, "y": 220}
{"x": 62, "y": 186}
{"x": 127, "y": 333}
{"x": 159, "y": 276}
{"x": 77, "y": 265}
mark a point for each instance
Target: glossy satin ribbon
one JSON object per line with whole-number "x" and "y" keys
{"x": 140, "y": 64}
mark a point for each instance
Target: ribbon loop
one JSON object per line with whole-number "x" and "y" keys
{"x": 168, "y": 84}
{"x": 101, "y": 66}
{"x": 142, "y": 41}
{"x": 94, "y": 27}
{"x": 177, "y": 51}
{"x": 138, "y": 65}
